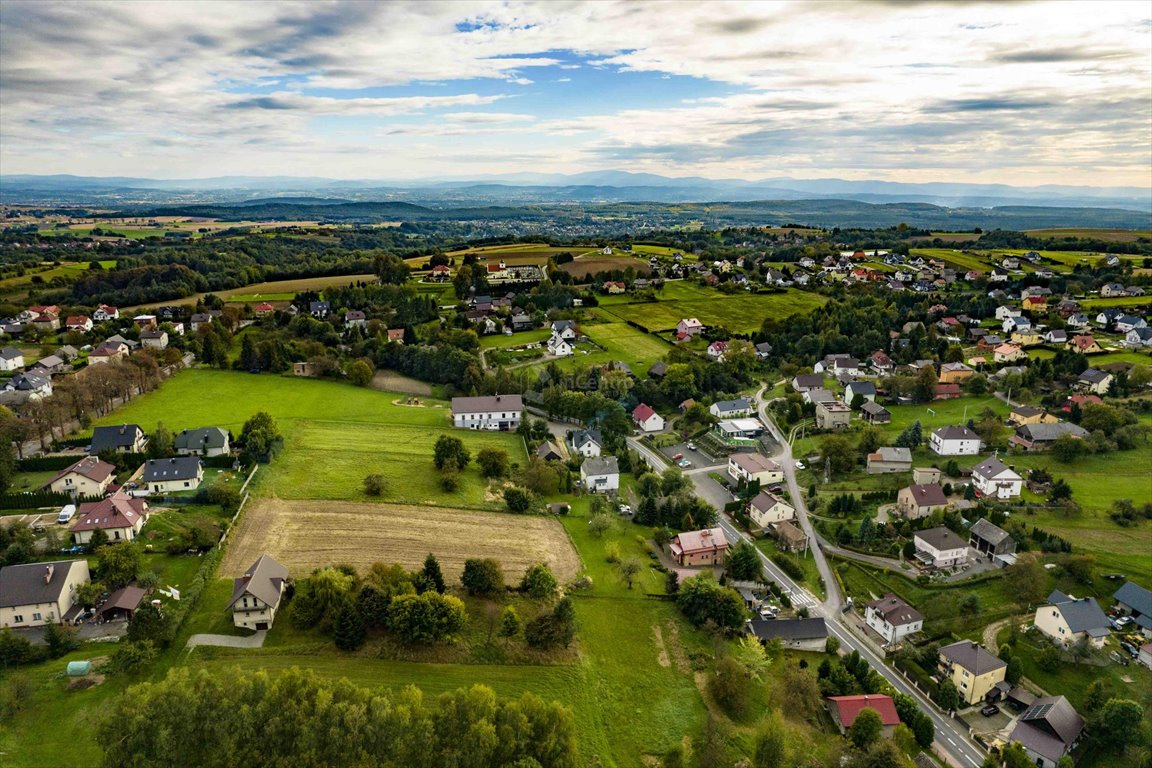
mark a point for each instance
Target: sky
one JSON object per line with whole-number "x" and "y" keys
{"x": 1022, "y": 93}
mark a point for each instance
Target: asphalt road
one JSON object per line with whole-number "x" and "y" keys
{"x": 951, "y": 736}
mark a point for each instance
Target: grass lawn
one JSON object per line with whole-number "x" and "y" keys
{"x": 274, "y": 288}
{"x": 500, "y": 341}
{"x": 943, "y": 413}
{"x": 1072, "y": 680}
{"x": 739, "y": 313}
{"x": 627, "y": 344}
{"x": 811, "y": 580}
{"x": 1116, "y": 235}
{"x": 940, "y": 605}
{"x": 334, "y": 434}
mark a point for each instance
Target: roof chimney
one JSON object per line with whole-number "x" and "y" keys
{"x": 48, "y": 571}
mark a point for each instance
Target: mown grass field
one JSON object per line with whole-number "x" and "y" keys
{"x": 739, "y": 313}
{"x": 595, "y": 261}
{"x": 500, "y": 341}
{"x": 1115, "y": 235}
{"x": 516, "y": 254}
{"x": 334, "y": 434}
{"x": 284, "y": 288}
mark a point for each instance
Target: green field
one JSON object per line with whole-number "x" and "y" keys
{"x": 1115, "y": 235}
{"x": 288, "y": 288}
{"x": 256, "y": 298}
{"x": 1117, "y": 301}
{"x": 739, "y": 313}
{"x": 620, "y": 342}
{"x": 335, "y": 434}
{"x": 500, "y": 341}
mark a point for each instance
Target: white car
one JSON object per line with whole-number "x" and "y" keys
{"x": 625, "y": 509}
{"x": 799, "y": 465}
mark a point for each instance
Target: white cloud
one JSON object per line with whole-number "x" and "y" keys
{"x": 1020, "y": 92}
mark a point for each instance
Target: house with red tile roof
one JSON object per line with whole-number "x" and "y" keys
{"x": 845, "y": 710}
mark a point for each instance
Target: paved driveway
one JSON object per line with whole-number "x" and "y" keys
{"x": 228, "y": 641}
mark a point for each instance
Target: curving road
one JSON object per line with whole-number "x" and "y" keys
{"x": 952, "y": 737}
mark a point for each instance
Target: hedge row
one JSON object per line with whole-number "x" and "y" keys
{"x": 46, "y": 463}
{"x": 34, "y": 499}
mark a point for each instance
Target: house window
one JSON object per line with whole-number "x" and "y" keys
{"x": 18, "y": 619}
{"x": 186, "y": 483}
{"x": 117, "y": 534}
{"x": 36, "y": 617}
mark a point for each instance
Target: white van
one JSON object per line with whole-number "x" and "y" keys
{"x": 66, "y": 513}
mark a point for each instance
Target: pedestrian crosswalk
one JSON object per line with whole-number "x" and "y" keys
{"x": 801, "y": 598}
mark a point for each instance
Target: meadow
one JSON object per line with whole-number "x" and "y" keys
{"x": 284, "y": 290}
{"x": 739, "y": 313}
{"x": 1114, "y": 235}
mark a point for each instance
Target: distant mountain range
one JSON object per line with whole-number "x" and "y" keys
{"x": 593, "y": 187}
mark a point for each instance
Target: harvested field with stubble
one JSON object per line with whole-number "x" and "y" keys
{"x": 303, "y": 535}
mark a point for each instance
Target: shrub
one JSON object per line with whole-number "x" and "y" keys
{"x": 539, "y": 582}
{"x": 375, "y": 485}
{"x": 482, "y": 577}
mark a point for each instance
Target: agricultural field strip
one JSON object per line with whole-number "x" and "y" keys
{"x": 308, "y": 534}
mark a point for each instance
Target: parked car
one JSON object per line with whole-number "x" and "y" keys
{"x": 625, "y": 509}
{"x": 677, "y": 457}
{"x": 990, "y": 710}
{"x": 1124, "y": 621}
{"x": 691, "y": 446}
{"x": 799, "y": 465}
{"x": 66, "y": 513}
{"x": 1132, "y": 650}
{"x": 683, "y": 463}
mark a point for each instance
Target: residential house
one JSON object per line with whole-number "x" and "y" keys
{"x": 521, "y": 322}
{"x": 954, "y": 441}
{"x": 833, "y": 414}
{"x": 1008, "y": 353}
{"x": 1048, "y": 730}
{"x": 739, "y": 429}
{"x": 996, "y": 479}
{"x": 646, "y": 418}
{"x": 838, "y": 364}
{"x": 36, "y": 385}
{"x": 845, "y": 710}
{"x": 874, "y": 413}
{"x": 1067, "y": 621}
{"x": 52, "y": 364}
{"x": 154, "y": 339}
{"x": 126, "y": 438}
{"x": 704, "y": 547}
{"x": 613, "y": 287}
{"x": 688, "y": 328}
{"x": 1138, "y": 337}
{"x": 1026, "y": 414}
{"x": 11, "y": 359}
{"x": 799, "y": 634}
{"x": 144, "y": 321}
{"x": 881, "y": 363}
{"x": 600, "y": 474}
{"x": 319, "y": 309}
{"x": 1034, "y": 304}
{"x": 588, "y": 443}
{"x": 1111, "y": 291}
{"x": 1006, "y": 312}
{"x": 199, "y": 320}
{"x": 947, "y": 392}
{"x": 1056, "y": 336}
{"x": 205, "y": 441}
{"x": 263, "y": 309}
{"x": 1015, "y": 324}
{"x": 1144, "y": 655}
{"x": 730, "y": 409}
{"x": 395, "y": 335}
{"x": 88, "y": 477}
{"x": 78, "y": 323}
{"x": 940, "y": 548}
{"x": 767, "y": 508}
{"x": 34, "y": 594}
{"x": 564, "y": 329}
{"x": 973, "y": 670}
{"x": 108, "y": 351}
{"x": 1126, "y": 323}
{"x": 717, "y": 350}
{"x": 750, "y": 467}
{"x": 1084, "y": 344}
{"x": 763, "y": 350}
{"x": 184, "y": 473}
{"x": 955, "y": 373}
{"x": 807, "y": 382}
{"x": 886, "y": 460}
{"x": 119, "y": 516}
{"x": 354, "y": 318}
{"x": 549, "y": 451}
{"x": 1135, "y": 601}
{"x": 990, "y": 539}
{"x": 1095, "y": 381}
{"x": 105, "y": 313}
{"x": 46, "y": 322}
{"x": 560, "y": 347}
{"x": 864, "y": 389}
{"x": 1039, "y": 437}
{"x": 491, "y": 412}
{"x": 892, "y": 618}
{"x": 790, "y": 538}
{"x": 920, "y": 500}
{"x": 1026, "y": 337}
{"x": 256, "y": 595}
{"x": 814, "y": 396}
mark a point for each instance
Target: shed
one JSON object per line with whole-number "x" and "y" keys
{"x": 79, "y": 668}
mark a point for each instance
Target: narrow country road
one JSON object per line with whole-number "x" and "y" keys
{"x": 951, "y": 736}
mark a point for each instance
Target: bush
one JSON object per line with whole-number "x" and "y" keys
{"x": 375, "y": 485}
{"x": 730, "y": 686}
{"x": 557, "y": 627}
{"x": 426, "y": 618}
{"x": 482, "y": 577}
{"x": 539, "y": 582}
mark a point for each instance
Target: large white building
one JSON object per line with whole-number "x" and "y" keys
{"x": 892, "y": 618}
{"x": 768, "y": 508}
{"x": 601, "y": 474}
{"x": 954, "y": 441}
{"x": 996, "y": 479}
{"x": 493, "y": 412}
{"x": 753, "y": 466}
{"x": 1068, "y": 621}
{"x": 256, "y": 595}
{"x": 940, "y": 548}
{"x": 34, "y": 594}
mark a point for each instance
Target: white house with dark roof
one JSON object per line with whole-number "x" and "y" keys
{"x": 126, "y": 438}
{"x": 1067, "y": 621}
{"x": 183, "y": 473}
{"x": 119, "y": 516}
{"x": 205, "y": 441}
{"x": 954, "y": 441}
{"x": 940, "y": 548}
{"x": 996, "y": 479}
{"x": 768, "y": 508}
{"x": 730, "y": 409}
{"x": 11, "y": 359}
{"x": 34, "y": 594}
{"x": 889, "y": 459}
{"x": 1095, "y": 381}
{"x": 974, "y": 671}
{"x": 1135, "y": 601}
{"x": 990, "y": 539}
{"x": 589, "y": 443}
{"x": 600, "y": 474}
{"x": 256, "y": 595}
{"x": 491, "y": 412}
{"x": 892, "y": 618}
